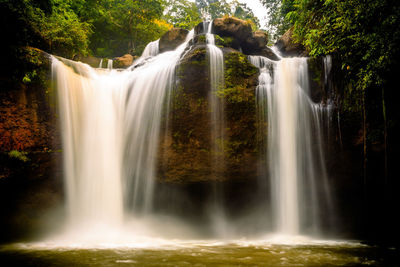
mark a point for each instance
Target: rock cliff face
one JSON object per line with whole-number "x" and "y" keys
{"x": 28, "y": 119}
{"x": 30, "y": 150}
{"x": 187, "y": 149}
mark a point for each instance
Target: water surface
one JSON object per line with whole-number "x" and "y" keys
{"x": 202, "y": 253}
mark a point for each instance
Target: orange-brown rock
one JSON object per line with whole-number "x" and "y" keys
{"x": 289, "y": 47}
{"x": 172, "y": 39}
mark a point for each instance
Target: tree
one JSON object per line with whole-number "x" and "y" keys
{"x": 182, "y": 14}
{"x": 241, "y": 11}
{"x": 126, "y": 26}
{"x": 212, "y": 9}
{"x": 49, "y": 25}
{"x": 278, "y": 22}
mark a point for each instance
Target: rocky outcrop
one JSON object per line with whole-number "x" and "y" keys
{"x": 236, "y": 33}
{"x": 187, "y": 152}
{"x": 266, "y": 52}
{"x": 256, "y": 42}
{"x": 172, "y": 39}
{"x": 123, "y": 62}
{"x": 288, "y": 47}
{"x": 232, "y": 27}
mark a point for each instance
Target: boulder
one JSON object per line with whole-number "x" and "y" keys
{"x": 266, "y": 52}
{"x": 288, "y": 47}
{"x": 232, "y": 27}
{"x": 256, "y": 42}
{"x": 172, "y": 39}
{"x": 124, "y": 62}
{"x": 94, "y": 62}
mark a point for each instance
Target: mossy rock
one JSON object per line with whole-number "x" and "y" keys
{"x": 187, "y": 150}
{"x": 226, "y": 41}
{"x": 199, "y": 39}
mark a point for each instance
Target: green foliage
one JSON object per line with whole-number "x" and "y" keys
{"x": 212, "y": 9}
{"x": 201, "y": 39}
{"x": 279, "y": 21}
{"x": 237, "y": 67}
{"x": 22, "y": 156}
{"x": 29, "y": 76}
{"x": 365, "y": 34}
{"x": 245, "y": 13}
{"x": 105, "y": 28}
{"x": 223, "y": 41}
{"x": 182, "y": 14}
{"x": 364, "y": 38}
{"x": 126, "y": 26}
{"x": 68, "y": 28}
{"x": 239, "y": 96}
{"x": 52, "y": 26}
{"x": 63, "y": 30}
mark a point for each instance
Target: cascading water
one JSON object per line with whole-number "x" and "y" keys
{"x": 92, "y": 171}
{"x": 295, "y": 160}
{"x": 110, "y": 122}
{"x": 216, "y": 59}
{"x": 110, "y": 64}
{"x": 216, "y": 72}
{"x": 111, "y": 126}
{"x": 101, "y": 63}
{"x": 151, "y": 50}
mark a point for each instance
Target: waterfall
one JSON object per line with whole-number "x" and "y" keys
{"x": 110, "y": 64}
{"x": 101, "y": 63}
{"x": 91, "y": 146}
{"x": 217, "y": 119}
{"x": 110, "y": 122}
{"x": 216, "y": 61}
{"x": 151, "y": 50}
{"x": 299, "y": 186}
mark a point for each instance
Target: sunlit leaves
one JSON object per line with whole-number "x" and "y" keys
{"x": 182, "y": 14}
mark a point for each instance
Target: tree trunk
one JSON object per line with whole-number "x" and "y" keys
{"x": 364, "y": 142}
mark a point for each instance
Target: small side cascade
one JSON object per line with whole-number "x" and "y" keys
{"x": 151, "y": 50}
{"x": 110, "y": 64}
{"x": 101, "y": 63}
